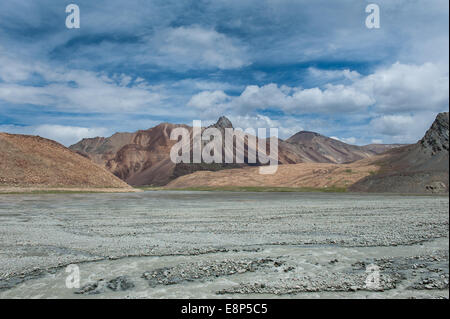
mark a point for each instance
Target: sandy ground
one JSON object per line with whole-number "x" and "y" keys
{"x": 212, "y": 244}
{"x": 315, "y": 175}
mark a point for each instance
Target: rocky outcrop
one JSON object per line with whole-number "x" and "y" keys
{"x": 436, "y": 138}
{"x": 419, "y": 168}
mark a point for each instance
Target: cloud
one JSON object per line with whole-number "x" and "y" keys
{"x": 402, "y": 128}
{"x": 204, "y": 100}
{"x": 310, "y": 64}
{"x": 348, "y": 140}
{"x": 71, "y": 90}
{"x": 332, "y": 99}
{"x": 195, "y": 47}
{"x": 406, "y": 88}
{"x": 66, "y": 135}
{"x": 286, "y": 126}
{"x": 332, "y": 75}
{"x": 11, "y": 70}
{"x": 398, "y": 88}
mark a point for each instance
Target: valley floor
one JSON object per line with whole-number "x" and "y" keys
{"x": 224, "y": 244}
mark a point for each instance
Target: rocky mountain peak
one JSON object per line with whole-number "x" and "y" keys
{"x": 436, "y": 138}
{"x": 223, "y": 122}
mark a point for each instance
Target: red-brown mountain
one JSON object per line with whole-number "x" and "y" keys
{"x": 143, "y": 157}
{"x": 316, "y": 148}
{"x": 140, "y": 158}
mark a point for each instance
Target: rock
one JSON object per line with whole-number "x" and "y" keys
{"x": 121, "y": 283}
{"x": 92, "y": 288}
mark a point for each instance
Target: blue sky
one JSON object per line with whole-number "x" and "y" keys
{"x": 292, "y": 64}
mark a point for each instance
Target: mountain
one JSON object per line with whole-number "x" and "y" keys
{"x": 27, "y": 161}
{"x": 419, "y": 168}
{"x": 140, "y": 158}
{"x": 316, "y": 148}
{"x": 380, "y": 148}
{"x": 182, "y": 169}
{"x": 143, "y": 157}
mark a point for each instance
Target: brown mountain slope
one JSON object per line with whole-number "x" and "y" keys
{"x": 310, "y": 175}
{"x": 381, "y": 148}
{"x": 315, "y": 148}
{"x": 32, "y": 161}
{"x": 101, "y": 149}
{"x": 140, "y": 158}
{"x": 143, "y": 158}
{"x": 418, "y": 168}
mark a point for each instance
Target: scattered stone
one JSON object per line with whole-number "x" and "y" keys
{"x": 121, "y": 283}
{"x": 186, "y": 272}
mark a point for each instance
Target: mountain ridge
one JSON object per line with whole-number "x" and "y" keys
{"x": 142, "y": 158}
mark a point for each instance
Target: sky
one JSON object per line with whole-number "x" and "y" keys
{"x": 291, "y": 64}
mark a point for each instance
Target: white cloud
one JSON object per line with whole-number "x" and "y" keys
{"x": 286, "y": 126}
{"x": 334, "y": 98}
{"x": 348, "y": 140}
{"x": 329, "y": 75}
{"x": 205, "y": 99}
{"x": 72, "y": 90}
{"x": 11, "y": 70}
{"x": 66, "y": 135}
{"x": 402, "y": 128}
{"x": 399, "y": 88}
{"x": 193, "y": 85}
{"x": 406, "y": 88}
{"x": 195, "y": 47}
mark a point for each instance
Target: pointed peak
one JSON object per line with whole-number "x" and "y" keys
{"x": 224, "y": 122}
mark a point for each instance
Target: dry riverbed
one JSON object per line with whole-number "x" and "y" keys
{"x": 224, "y": 244}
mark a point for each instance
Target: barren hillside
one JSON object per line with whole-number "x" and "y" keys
{"x": 315, "y": 175}
{"x": 315, "y": 148}
{"x": 32, "y": 161}
{"x": 143, "y": 157}
{"x": 418, "y": 168}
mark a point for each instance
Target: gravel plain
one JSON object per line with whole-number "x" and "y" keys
{"x": 224, "y": 245}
